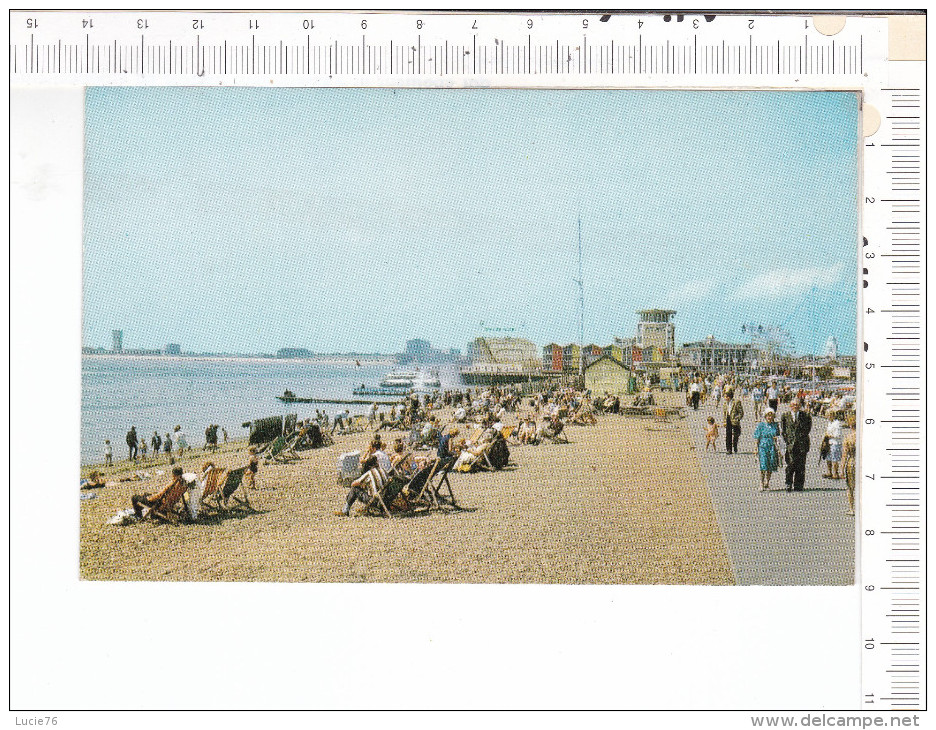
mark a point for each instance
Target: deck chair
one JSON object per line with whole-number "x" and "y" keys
{"x": 227, "y": 489}
{"x": 432, "y": 490}
{"x": 375, "y": 494}
{"x": 284, "y": 451}
{"x": 212, "y": 480}
{"x": 395, "y": 485}
{"x": 276, "y": 447}
{"x": 165, "y": 509}
{"x": 559, "y": 437}
{"x": 413, "y": 489}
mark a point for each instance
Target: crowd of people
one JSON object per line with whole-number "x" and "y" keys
{"x": 476, "y": 435}
{"x": 780, "y": 439}
{"x": 460, "y": 430}
{"x": 174, "y": 444}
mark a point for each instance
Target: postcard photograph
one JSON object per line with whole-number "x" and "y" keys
{"x": 469, "y": 336}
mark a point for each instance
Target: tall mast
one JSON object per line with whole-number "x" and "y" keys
{"x": 581, "y": 304}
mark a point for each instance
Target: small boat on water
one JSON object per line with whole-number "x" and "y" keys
{"x": 415, "y": 379}
{"x": 399, "y": 379}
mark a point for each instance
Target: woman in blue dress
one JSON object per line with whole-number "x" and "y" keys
{"x": 768, "y": 453}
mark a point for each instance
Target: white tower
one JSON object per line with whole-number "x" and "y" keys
{"x": 831, "y": 348}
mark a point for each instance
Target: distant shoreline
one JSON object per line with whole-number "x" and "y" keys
{"x": 317, "y": 359}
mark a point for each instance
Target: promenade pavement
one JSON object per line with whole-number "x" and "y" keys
{"x": 776, "y": 537}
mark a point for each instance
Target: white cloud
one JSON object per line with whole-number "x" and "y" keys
{"x": 693, "y": 291}
{"x": 788, "y": 282}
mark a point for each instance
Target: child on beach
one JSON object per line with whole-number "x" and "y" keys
{"x": 108, "y": 453}
{"x": 253, "y": 466}
{"x": 711, "y": 434}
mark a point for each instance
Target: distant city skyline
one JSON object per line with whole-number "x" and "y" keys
{"x": 340, "y": 220}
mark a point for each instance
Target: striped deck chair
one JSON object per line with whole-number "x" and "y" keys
{"x": 384, "y": 488}
{"x": 214, "y": 480}
{"x": 165, "y": 509}
{"x": 284, "y": 451}
{"x": 374, "y": 482}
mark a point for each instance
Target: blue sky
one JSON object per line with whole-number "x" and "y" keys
{"x": 352, "y": 219}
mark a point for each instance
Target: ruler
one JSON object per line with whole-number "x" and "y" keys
{"x": 624, "y": 50}
{"x": 109, "y": 47}
{"x": 892, "y": 460}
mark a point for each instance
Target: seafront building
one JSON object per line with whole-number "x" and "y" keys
{"x": 502, "y": 360}
{"x": 421, "y": 351}
{"x": 711, "y": 355}
{"x": 608, "y": 375}
{"x": 655, "y": 329}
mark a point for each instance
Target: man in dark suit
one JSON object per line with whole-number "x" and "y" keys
{"x": 795, "y": 427}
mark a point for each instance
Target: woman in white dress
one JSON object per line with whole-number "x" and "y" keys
{"x": 833, "y": 434}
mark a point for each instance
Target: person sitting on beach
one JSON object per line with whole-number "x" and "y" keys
{"x": 403, "y": 463}
{"x": 527, "y": 431}
{"x": 163, "y": 502}
{"x": 314, "y": 436}
{"x": 584, "y": 416}
{"x": 471, "y": 454}
{"x": 376, "y": 467}
{"x": 711, "y": 434}
{"x": 430, "y": 431}
{"x": 549, "y": 428}
{"x": 445, "y": 451}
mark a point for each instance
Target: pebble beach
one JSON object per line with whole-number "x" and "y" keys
{"x": 624, "y": 503}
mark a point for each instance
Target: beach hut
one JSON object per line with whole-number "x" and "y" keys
{"x": 606, "y": 375}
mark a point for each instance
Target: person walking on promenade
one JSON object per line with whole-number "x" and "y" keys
{"x": 132, "y": 442}
{"x": 711, "y": 434}
{"x": 695, "y": 393}
{"x": 773, "y": 397}
{"x": 733, "y": 412}
{"x": 757, "y": 395}
{"x": 849, "y": 452}
{"x": 156, "y": 443}
{"x": 833, "y": 434}
{"x": 108, "y": 453}
{"x": 717, "y": 393}
{"x": 766, "y": 434}
{"x": 167, "y": 446}
{"x": 142, "y": 449}
{"x": 795, "y": 427}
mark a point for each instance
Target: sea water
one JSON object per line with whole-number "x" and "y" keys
{"x": 159, "y": 393}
